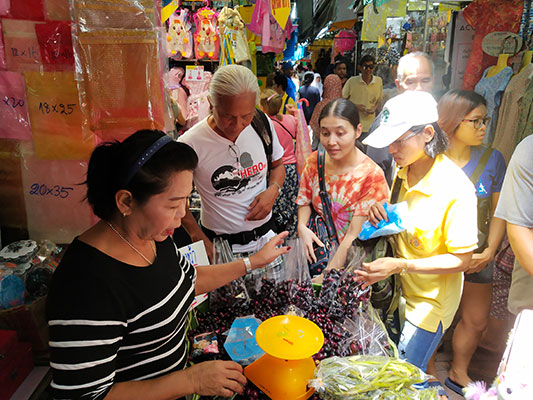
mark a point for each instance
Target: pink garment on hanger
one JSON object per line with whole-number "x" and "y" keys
{"x": 177, "y": 92}
{"x": 198, "y": 104}
{"x": 264, "y": 24}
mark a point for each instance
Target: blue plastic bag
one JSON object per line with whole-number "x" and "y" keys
{"x": 396, "y": 214}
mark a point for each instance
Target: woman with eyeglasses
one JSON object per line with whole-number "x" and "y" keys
{"x": 463, "y": 116}
{"x": 441, "y": 233}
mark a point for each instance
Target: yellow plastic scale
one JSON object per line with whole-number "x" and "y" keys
{"x": 289, "y": 342}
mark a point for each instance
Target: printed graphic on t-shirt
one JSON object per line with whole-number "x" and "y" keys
{"x": 234, "y": 179}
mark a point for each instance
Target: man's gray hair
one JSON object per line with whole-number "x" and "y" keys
{"x": 232, "y": 80}
{"x": 409, "y": 57}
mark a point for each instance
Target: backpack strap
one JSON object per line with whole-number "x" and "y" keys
{"x": 262, "y": 127}
{"x": 324, "y": 197}
{"x": 396, "y": 187}
{"x": 481, "y": 165}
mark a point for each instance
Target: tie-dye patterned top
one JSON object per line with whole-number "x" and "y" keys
{"x": 351, "y": 194}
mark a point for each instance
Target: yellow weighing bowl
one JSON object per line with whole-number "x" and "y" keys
{"x": 289, "y": 337}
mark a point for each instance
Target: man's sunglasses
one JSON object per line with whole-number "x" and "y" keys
{"x": 366, "y": 66}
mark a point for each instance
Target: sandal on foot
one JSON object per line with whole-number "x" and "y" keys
{"x": 440, "y": 389}
{"x": 454, "y": 386}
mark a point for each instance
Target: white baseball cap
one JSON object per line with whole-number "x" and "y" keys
{"x": 401, "y": 113}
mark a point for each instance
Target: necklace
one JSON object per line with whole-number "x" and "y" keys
{"x": 129, "y": 244}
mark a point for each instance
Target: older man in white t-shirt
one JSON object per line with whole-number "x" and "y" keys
{"x": 233, "y": 178}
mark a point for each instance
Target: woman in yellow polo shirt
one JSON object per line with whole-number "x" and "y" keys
{"x": 441, "y": 230}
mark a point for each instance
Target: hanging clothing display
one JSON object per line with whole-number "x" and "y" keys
{"x": 234, "y": 45}
{"x": 177, "y": 92}
{"x": 197, "y": 103}
{"x": 264, "y": 24}
{"x": 206, "y": 39}
{"x": 492, "y": 90}
{"x": 526, "y": 24}
{"x": 507, "y": 125}
{"x": 179, "y": 36}
{"x": 525, "y": 115}
{"x": 504, "y": 16}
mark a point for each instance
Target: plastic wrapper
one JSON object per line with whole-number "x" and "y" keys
{"x": 234, "y": 294}
{"x": 14, "y": 116}
{"x": 240, "y": 344}
{"x": 27, "y": 9}
{"x": 368, "y": 377}
{"x": 204, "y": 347}
{"x": 21, "y": 45}
{"x": 54, "y": 200}
{"x": 95, "y": 15}
{"x": 298, "y": 280}
{"x": 303, "y": 142}
{"x": 341, "y": 293}
{"x": 57, "y": 10}
{"x": 5, "y": 5}
{"x": 55, "y": 43}
{"x": 396, "y": 213}
{"x": 116, "y": 46}
{"x": 12, "y": 210}
{"x": 56, "y": 117}
{"x": 367, "y": 337}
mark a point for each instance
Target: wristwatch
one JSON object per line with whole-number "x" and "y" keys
{"x": 247, "y": 264}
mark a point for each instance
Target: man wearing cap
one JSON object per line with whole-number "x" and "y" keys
{"x": 436, "y": 247}
{"x": 237, "y": 179}
{"x": 288, "y": 70}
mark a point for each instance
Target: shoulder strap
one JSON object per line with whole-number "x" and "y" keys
{"x": 396, "y": 190}
{"x": 324, "y": 197}
{"x": 283, "y": 126}
{"x": 481, "y": 165}
{"x": 262, "y": 127}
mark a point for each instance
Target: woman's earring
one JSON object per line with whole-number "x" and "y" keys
{"x": 124, "y": 214}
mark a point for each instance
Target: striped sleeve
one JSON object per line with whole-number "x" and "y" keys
{"x": 84, "y": 349}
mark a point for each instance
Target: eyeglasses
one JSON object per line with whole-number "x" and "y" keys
{"x": 236, "y": 154}
{"x": 405, "y": 139}
{"x": 478, "y": 122}
{"x": 368, "y": 66}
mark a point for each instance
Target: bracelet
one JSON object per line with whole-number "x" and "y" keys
{"x": 404, "y": 268}
{"x": 247, "y": 264}
{"x": 279, "y": 187}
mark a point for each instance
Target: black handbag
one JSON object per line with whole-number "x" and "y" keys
{"x": 323, "y": 228}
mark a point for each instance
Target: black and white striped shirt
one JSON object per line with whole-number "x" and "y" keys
{"x": 113, "y": 322}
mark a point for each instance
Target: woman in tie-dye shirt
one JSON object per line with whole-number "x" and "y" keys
{"x": 353, "y": 181}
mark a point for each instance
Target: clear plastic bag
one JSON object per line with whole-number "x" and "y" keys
{"x": 240, "y": 343}
{"x": 297, "y": 278}
{"x": 367, "y": 337}
{"x": 341, "y": 293}
{"x": 234, "y": 294}
{"x": 367, "y": 377}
